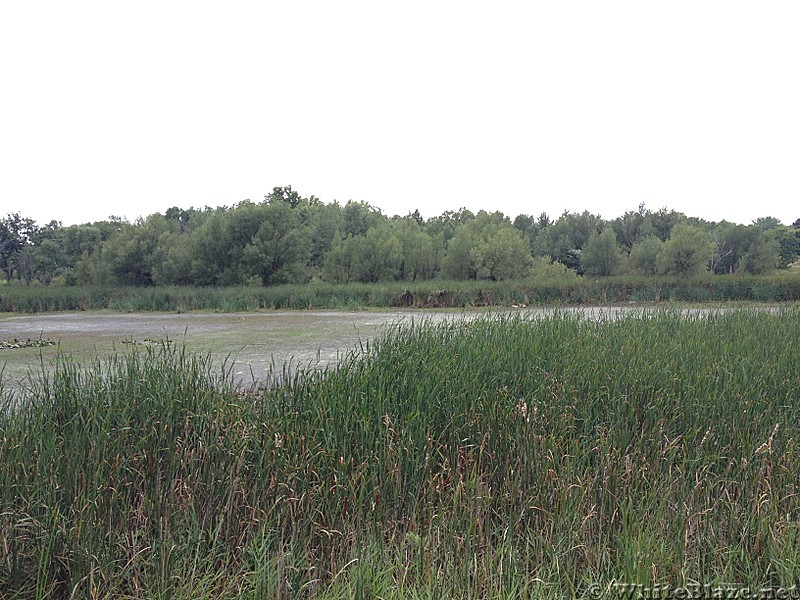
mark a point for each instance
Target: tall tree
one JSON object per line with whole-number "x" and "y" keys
{"x": 789, "y": 242}
{"x": 380, "y": 255}
{"x": 501, "y": 254}
{"x": 419, "y": 256}
{"x": 48, "y": 257}
{"x": 687, "y": 252}
{"x": 217, "y": 245}
{"x": 325, "y": 222}
{"x": 360, "y": 217}
{"x": 763, "y": 255}
{"x": 730, "y": 243}
{"x": 661, "y": 222}
{"x": 643, "y": 259}
{"x": 569, "y": 234}
{"x": 284, "y": 194}
{"x": 533, "y": 230}
{"x": 767, "y": 223}
{"x": 459, "y": 262}
{"x": 15, "y": 235}
{"x": 209, "y": 251}
{"x": 280, "y": 249}
{"x": 602, "y": 254}
{"x": 133, "y": 253}
{"x": 342, "y": 262}
{"x": 443, "y": 227}
{"x": 630, "y": 226}
{"x": 488, "y": 246}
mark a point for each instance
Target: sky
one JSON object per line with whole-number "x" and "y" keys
{"x": 130, "y": 108}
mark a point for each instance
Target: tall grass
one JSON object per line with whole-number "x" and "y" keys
{"x": 423, "y": 294}
{"x": 497, "y": 458}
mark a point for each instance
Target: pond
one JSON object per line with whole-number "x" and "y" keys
{"x": 251, "y": 342}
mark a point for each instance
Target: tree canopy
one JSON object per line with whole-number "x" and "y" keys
{"x": 290, "y": 238}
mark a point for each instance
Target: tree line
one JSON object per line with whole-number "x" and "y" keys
{"x": 288, "y": 238}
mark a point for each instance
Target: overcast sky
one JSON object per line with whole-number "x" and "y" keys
{"x": 112, "y": 108}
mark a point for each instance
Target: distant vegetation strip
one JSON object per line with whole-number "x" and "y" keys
{"x": 498, "y": 458}
{"x": 288, "y": 238}
{"x": 568, "y": 290}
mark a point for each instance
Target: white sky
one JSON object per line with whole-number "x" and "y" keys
{"x": 112, "y": 108}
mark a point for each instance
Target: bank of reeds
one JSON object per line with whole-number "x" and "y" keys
{"x": 423, "y": 294}
{"x": 496, "y": 458}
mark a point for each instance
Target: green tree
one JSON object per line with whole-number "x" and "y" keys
{"x": 380, "y": 255}
{"x": 133, "y": 253}
{"x": 789, "y": 244}
{"x": 209, "y": 251}
{"x": 569, "y": 234}
{"x": 217, "y": 245}
{"x": 643, "y": 258}
{"x": 241, "y": 225}
{"x": 546, "y": 269}
{"x": 661, "y": 222}
{"x": 375, "y": 256}
{"x": 767, "y": 223}
{"x": 730, "y": 243}
{"x": 48, "y": 254}
{"x": 179, "y": 216}
{"x": 602, "y": 255}
{"x": 687, "y": 252}
{"x": 173, "y": 264}
{"x": 80, "y": 239}
{"x": 325, "y": 222}
{"x": 443, "y": 227}
{"x": 763, "y": 255}
{"x": 501, "y": 254}
{"x": 280, "y": 249}
{"x": 488, "y": 246}
{"x": 533, "y": 230}
{"x": 285, "y": 195}
{"x": 342, "y": 262}
{"x": 459, "y": 262}
{"x": 419, "y": 256}
{"x": 15, "y": 235}
{"x": 360, "y": 217}
{"x": 91, "y": 269}
{"x": 630, "y": 226}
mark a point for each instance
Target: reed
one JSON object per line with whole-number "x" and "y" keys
{"x": 504, "y": 457}
{"x": 556, "y": 291}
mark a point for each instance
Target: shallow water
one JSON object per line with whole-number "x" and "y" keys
{"x": 250, "y": 342}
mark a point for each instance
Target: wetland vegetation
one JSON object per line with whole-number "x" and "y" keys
{"x": 500, "y": 457}
{"x": 550, "y": 290}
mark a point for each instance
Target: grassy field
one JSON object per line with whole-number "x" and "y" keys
{"x": 503, "y": 457}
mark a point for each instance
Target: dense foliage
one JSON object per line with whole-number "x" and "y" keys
{"x": 500, "y": 458}
{"x": 291, "y": 239}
